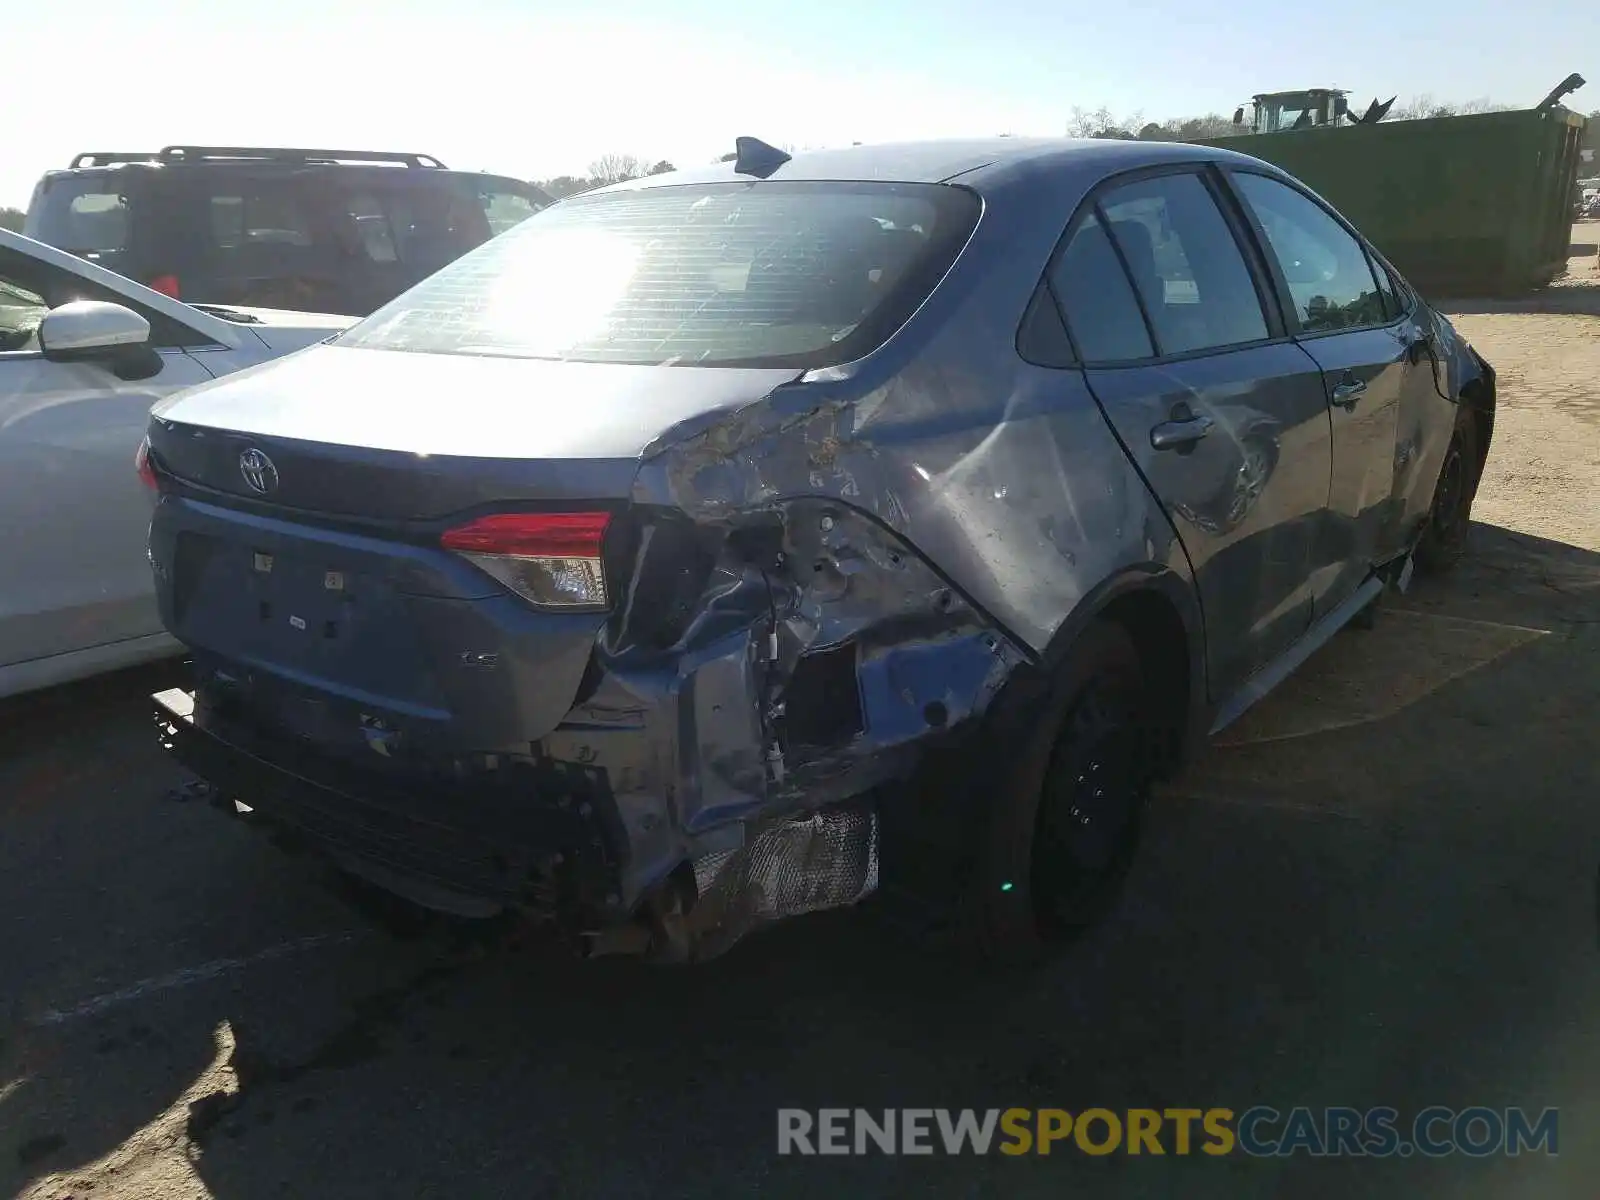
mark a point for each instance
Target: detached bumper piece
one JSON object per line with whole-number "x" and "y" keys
{"x": 530, "y": 835}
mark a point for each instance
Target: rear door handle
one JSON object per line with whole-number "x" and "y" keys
{"x": 1176, "y": 435}
{"x": 1346, "y": 393}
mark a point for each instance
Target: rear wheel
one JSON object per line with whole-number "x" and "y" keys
{"x": 1063, "y": 831}
{"x": 1444, "y": 541}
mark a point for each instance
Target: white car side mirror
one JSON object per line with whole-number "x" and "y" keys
{"x": 99, "y": 332}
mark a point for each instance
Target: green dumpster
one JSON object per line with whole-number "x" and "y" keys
{"x": 1464, "y": 206}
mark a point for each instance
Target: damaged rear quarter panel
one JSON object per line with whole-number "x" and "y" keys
{"x": 1441, "y": 381}
{"x": 936, "y": 511}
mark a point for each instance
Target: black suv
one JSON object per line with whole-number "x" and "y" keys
{"x": 336, "y": 231}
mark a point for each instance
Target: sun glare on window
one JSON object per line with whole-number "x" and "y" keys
{"x": 594, "y": 268}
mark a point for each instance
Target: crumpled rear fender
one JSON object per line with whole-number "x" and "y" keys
{"x": 860, "y": 563}
{"x": 1448, "y": 375}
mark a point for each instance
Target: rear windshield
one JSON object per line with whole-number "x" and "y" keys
{"x": 85, "y": 214}
{"x": 731, "y": 274}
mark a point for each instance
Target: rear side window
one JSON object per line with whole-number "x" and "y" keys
{"x": 421, "y": 223}
{"x": 261, "y": 213}
{"x": 370, "y": 231}
{"x": 749, "y": 274}
{"x": 1330, "y": 280}
{"x": 1393, "y": 306}
{"x": 1185, "y": 263}
{"x": 1101, "y": 310}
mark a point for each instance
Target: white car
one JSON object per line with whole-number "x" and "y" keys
{"x": 84, "y": 353}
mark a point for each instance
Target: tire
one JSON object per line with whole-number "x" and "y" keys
{"x": 1066, "y": 822}
{"x": 1444, "y": 540}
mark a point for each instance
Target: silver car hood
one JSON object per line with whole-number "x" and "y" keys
{"x": 466, "y": 405}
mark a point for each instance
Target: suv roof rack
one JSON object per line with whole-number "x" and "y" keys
{"x": 191, "y": 154}
{"x": 105, "y": 158}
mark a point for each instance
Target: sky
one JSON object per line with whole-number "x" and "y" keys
{"x": 534, "y": 88}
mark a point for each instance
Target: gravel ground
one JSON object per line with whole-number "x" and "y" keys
{"x": 1380, "y": 890}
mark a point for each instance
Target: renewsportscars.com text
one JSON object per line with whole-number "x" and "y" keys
{"x": 1260, "y": 1131}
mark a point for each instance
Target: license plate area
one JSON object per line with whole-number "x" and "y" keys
{"x": 297, "y": 601}
{"x": 328, "y": 617}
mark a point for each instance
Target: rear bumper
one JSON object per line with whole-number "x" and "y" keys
{"x": 535, "y": 838}
{"x": 599, "y": 770}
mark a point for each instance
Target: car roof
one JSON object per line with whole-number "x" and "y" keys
{"x": 978, "y": 162}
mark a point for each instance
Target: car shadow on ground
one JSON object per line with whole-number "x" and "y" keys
{"x": 1396, "y": 911}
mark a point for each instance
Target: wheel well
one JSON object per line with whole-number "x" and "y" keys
{"x": 1158, "y": 633}
{"x": 1478, "y": 398}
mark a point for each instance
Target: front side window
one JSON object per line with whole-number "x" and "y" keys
{"x": 1329, "y": 278}
{"x": 749, "y": 274}
{"x": 1185, "y": 263}
{"x": 21, "y": 310}
{"x": 29, "y": 288}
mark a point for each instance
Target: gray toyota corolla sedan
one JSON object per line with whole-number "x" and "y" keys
{"x": 741, "y": 542}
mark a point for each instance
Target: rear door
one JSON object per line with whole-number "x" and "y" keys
{"x": 1224, "y": 415}
{"x": 1358, "y": 338}
{"x": 73, "y": 516}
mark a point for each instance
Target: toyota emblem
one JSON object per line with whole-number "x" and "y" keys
{"x": 258, "y": 471}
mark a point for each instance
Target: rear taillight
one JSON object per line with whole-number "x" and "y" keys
{"x": 141, "y": 464}
{"x": 167, "y": 285}
{"x": 549, "y": 559}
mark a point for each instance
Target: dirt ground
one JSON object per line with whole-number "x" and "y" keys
{"x": 1379, "y": 889}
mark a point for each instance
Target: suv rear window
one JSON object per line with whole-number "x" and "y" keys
{"x": 84, "y": 214}
{"x": 800, "y": 274}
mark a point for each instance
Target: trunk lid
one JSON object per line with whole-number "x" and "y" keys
{"x": 475, "y": 406}
{"x": 393, "y": 436}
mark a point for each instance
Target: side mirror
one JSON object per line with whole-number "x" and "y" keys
{"x": 95, "y": 331}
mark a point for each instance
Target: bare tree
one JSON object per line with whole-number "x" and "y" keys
{"x": 563, "y": 186}
{"x": 614, "y": 168}
{"x": 1209, "y": 126}
{"x": 1083, "y": 123}
{"x": 11, "y": 218}
{"x": 1482, "y": 105}
{"x": 1425, "y": 107}
{"x": 1102, "y": 123}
